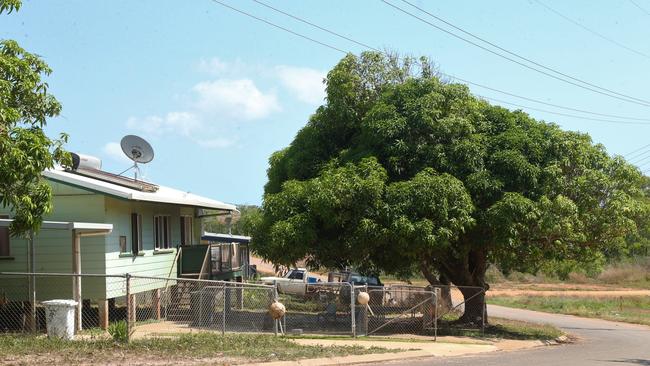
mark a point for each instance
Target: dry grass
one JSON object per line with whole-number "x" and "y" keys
{"x": 626, "y": 274}
{"x": 624, "y": 309}
{"x": 186, "y": 349}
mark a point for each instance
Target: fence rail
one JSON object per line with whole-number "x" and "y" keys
{"x": 151, "y": 306}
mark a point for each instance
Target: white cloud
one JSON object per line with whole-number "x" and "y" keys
{"x": 185, "y": 123}
{"x": 114, "y": 151}
{"x": 306, "y": 84}
{"x": 238, "y": 99}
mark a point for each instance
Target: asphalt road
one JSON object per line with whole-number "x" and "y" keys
{"x": 600, "y": 343}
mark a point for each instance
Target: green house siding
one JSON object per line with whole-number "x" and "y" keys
{"x": 99, "y": 254}
{"x": 53, "y": 249}
{"x": 149, "y": 262}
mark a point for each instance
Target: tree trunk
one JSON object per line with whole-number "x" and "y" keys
{"x": 441, "y": 282}
{"x": 475, "y": 312}
{"x": 468, "y": 274}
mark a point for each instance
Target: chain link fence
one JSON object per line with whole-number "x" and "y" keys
{"x": 157, "y": 306}
{"x": 135, "y": 305}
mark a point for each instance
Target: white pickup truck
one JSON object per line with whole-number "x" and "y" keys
{"x": 294, "y": 282}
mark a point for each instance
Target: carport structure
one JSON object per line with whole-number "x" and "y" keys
{"x": 77, "y": 231}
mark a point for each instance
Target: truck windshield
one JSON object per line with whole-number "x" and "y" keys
{"x": 296, "y": 275}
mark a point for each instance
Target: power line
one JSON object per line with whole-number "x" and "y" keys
{"x": 563, "y": 114}
{"x": 596, "y": 33}
{"x": 639, "y": 6}
{"x": 639, "y": 149}
{"x": 350, "y": 39}
{"x": 317, "y": 26}
{"x": 545, "y": 103}
{"x": 514, "y": 53}
{"x": 592, "y": 87}
{"x": 642, "y": 154}
{"x": 444, "y": 74}
{"x": 279, "y": 27}
{"x": 640, "y": 161}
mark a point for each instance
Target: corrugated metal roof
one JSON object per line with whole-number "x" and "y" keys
{"x": 225, "y": 238}
{"x": 162, "y": 195}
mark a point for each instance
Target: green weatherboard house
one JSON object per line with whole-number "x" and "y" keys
{"x": 119, "y": 225}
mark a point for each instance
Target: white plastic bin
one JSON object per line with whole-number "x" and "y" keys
{"x": 59, "y": 317}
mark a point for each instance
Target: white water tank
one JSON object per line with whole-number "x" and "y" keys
{"x": 81, "y": 161}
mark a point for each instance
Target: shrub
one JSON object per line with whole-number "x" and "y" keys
{"x": 494, "y": 275}
{"x": 119, "y": 331}
{"x": 623, "y": 273}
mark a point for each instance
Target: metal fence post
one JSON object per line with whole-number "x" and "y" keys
{"x": 483, "y": 314}
{"x": 275, "y": 298}
{"x": 365, "y": 313}
{"x": 129, "y": 306}
{"x": 223, "y": 313}
{"x": 436, "y": 293}
{"x": 352, "y": 311}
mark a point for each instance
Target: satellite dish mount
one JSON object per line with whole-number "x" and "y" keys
{"x": 137, "y": 149}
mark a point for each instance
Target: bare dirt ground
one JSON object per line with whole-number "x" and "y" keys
{"x": 563, "y": 289}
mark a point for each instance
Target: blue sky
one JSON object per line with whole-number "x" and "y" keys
{"x": 216, "y": 92}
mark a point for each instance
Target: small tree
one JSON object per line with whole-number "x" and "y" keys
{"x": 402, "y": 172}
{"x": 25, "y": 149}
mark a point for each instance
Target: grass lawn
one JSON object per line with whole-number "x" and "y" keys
{"x": 624, "y": 309}
{"x": 187, "y": 349}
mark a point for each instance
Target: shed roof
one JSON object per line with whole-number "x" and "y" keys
{"x": 225, "y": 238}
{"x": 162, "y": 195}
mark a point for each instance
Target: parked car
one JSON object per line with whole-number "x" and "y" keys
{"x": 295, "y": 282}
{"x": 355, "y": 278}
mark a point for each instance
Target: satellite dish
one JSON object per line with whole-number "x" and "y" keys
{"x": 137, "y": 149}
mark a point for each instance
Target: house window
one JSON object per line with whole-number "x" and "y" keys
{"x": 186, "y": 230}
{"x": 136, "y": 233}
{"x": 162, "y": 232}
{"x": 4, "y": 239}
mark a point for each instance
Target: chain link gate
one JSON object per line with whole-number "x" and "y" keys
{"x": 399, "y": 310}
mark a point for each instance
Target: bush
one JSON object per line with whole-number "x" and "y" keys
{"x": 494, "y": 275}
{"x": 622, "y": 273}
{"x": 119, "y": 331}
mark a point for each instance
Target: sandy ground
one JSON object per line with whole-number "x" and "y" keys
{"x": 563, "y": 289}
{"x": 569, "y": 293}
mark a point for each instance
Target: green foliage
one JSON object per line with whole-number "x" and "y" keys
{"x": 25, "y": 149}
{"x": 119, "y": 331}
{"x": 9, "y": 6}
{"x": 402, "y": 172}
{"x": 241, "y": 225}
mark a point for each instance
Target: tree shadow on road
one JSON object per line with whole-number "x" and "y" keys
{"x": 635, "y": 361}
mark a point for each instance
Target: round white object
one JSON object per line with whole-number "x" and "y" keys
{"x": 277, "y": 310}
{"x": 363, "y": 298}
{"x": 59, "y": 318}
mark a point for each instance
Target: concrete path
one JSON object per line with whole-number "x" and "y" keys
{"x": 415, "y": 349}
{"x": 600, "y": 342}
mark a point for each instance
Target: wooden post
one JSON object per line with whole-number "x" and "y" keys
{"x": 76, "y": 280}
{"x": 102, "y": 305}
{"x": 156, "y": 303}
{"x": 132, "y": 308}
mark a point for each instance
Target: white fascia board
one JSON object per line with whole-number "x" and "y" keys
{"x": 163, "y": 195}
{"x": 82, "y": 227}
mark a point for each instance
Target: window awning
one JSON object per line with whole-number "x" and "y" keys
{"x": 84, "y": 228}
